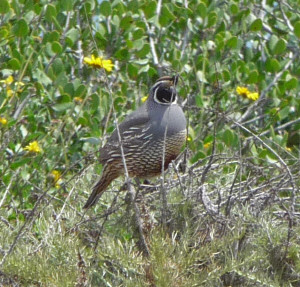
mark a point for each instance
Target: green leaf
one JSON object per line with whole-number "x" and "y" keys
{"x": 95, "y": 102}
{"x": 67, "y": 5}
{"x": 115, "y": 21}
{"x": 82, "y": 121}
{"x": 280, "y": 47}
{"x": 201, "y": 10}
{"x": 138, "y": 34}
{"x": 232, "y": 42}
{"x": 284, "y": 113}
{"x": 226, "y": 75}
{"x": 126, "y": 22}
{"x": 144, "y": 69}
{"x": 72, "y": 36}
{"x": 63, "y": 107}
{"x": 212, "y": 19}
{"x": 6, "y": 178}
{"x": 197, "y": 156}
{"x": 199, "y": 101}
{"x": 291, "y": 83}
{"x": 132, "y": 70}
{"x": 101, "y": 31}
{"x": 50, "y": 12}
{"x": 4, "y": 6}
{"x": 89, "y": 5}
{"x": 297, "y": 29}
{"x": 66, "y": 97}
{"x": 19, "y": 163}
{"x": 152, "y": 72}
{"x": 56, "y": 23}
{"x": 81, "y": 90}
{"x": 122, "y": 54}
{"x": 256, "y": 25}
{"x": 228, "y": 137}
{"x": 14, "y": 64}
{"x": 272, "y": 43}
{"x": 105, "y": 8}
{"x": 20, "y": 29}
{"x": 137, "y": 44}
{"x": 58, "y": 66}
{"x": 3, "y": 33}
{"x": 272, "y": 65}
{"x": 150, "y": 9}
{"x": 50, "y": 37}
{"x": 41, "y": 77}
{"x": 144, "y": 51}
{"x": 37, "y": 8}
{"x": 234, "y": 9}
{"x": 69, "y": 89}
{"x": 166, "y": 16}
{"x": 252, "y": 77}
{"x": 56, "y": 47}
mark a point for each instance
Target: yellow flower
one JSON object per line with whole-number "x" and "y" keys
{"x": 78, "y": 99}
{"x": 9, "y": 92}
{"x": 99, "y": 62}
{"x": 8, "y": 83}
{"x": 243, "y": 91}
{"x": 3, "y": 121}
{"x": 144, "y": 99}
{"x": 19, "y": 86}
{"x": 8, "y": 80}
{"x": 56, "y": 177}
{"x": 253, "y": 96}
{"x": 33, "y": 147}
{"x": 207, "y": 145}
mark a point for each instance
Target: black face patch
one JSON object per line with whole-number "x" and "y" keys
{"x": 166, "y": 95}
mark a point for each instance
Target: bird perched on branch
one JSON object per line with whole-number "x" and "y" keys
{"x": 151, "y": 137}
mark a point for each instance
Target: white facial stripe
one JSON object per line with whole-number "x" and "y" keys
{"x": 167, "y": 103}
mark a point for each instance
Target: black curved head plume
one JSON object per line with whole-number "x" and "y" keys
{"x": 164, "y": 90}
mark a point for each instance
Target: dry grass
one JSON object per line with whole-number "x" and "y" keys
{"x": 235, "y": 227}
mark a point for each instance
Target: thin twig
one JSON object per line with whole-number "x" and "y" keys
{"x": 286, "y": 19}
{"x": 158, "y": 8}
{"x": 79, "y": 48}
{"x": 7, "y": 190}
{"x": 152, "y": 44}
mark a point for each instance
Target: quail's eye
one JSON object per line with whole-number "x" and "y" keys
{"x": 166, "y": 95}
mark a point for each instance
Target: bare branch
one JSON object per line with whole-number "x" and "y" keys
{"x": 286, "y": 19}
{"x": 150, "y": 32}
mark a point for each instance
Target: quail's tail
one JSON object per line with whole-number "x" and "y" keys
{"x": 98, "y": 189}
{"x": 107, "y": 177}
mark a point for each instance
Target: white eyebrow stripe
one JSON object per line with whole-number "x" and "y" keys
{"x": 159, "y": 82}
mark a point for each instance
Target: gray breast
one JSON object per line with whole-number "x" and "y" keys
{"x": 169, "y": 118}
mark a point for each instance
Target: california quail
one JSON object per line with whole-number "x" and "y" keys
{"x": 156, "y": 130}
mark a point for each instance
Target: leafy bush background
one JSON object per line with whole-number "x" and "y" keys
{"x": 230, "y": 218}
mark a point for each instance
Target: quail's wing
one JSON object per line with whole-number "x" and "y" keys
{"x": 133, "y": 131}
